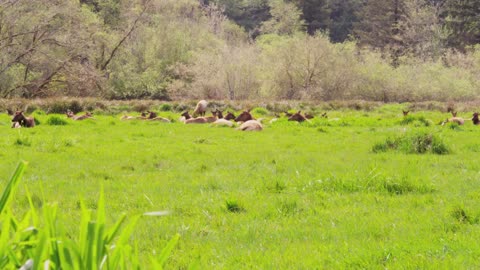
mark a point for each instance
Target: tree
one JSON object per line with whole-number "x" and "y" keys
{"x": 44, "y": 40}
{"x": 342, "y": 17}
{"x": 462, "y": 21}
{"x": 316, "y": 14}
{"x": 286, "y": 19}
{"x": 379, "y": 27}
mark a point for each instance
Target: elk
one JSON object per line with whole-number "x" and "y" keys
{"x": 213, "y": 118}
{"x": 128, "y": 117}
{"x": 457, "y": 120}
{"x": 22, "y": 120}
{"x": 297, "y": 117}
{"x": 223, "y": 122}
{"x": 244, "y": 116}
{"x": 405, "y": 113}
{"x": 198, "y": 120}
{"x": 475, "y": 119}
{"x": 188, "y": 119}
{"x": 309, "y": 116}
{"x": 219, "y": 113}
{"x": 201, "y": 108}
{"x": 251, "y": 125}
{"x": 229, "y": 116}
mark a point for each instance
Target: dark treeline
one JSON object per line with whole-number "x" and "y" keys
{"x": 380, "y": 50}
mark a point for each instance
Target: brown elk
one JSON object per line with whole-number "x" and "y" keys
{"x": 201, "y": 108}
{"x": 219, "y": 113}
{"x": 475, "y": 119}
{"x": 405, "y": 113}
{"x": 251, "y": 125}
{"x": 244, "y": 116}
{"x": 198, "y": 120}
{"x": 309, "y": 116}
{"x": 213, "y": 118}
{"x": 287, "y": 114}
{"x": 297, "y": 117}
{"x": 22, "y": 120}
{"x": 457, "y": 120}
{"x": 223, "y": 122}
{"x": 230, "y": 116}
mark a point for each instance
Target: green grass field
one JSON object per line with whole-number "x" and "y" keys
{"x": 294, "y": 196}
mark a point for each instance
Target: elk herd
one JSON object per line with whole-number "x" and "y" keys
{"x": 245, "y": 121}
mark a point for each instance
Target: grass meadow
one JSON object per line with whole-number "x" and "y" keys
{"x": 293, "y": 196}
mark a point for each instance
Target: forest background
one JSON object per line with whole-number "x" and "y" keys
{"x": 375, "y": 50}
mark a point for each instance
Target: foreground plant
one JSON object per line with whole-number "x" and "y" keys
{"x": 39, "y": 241}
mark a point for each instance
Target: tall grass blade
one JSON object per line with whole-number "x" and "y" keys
{"x": 167, "y": 250}
{"x": 12, "y": 185}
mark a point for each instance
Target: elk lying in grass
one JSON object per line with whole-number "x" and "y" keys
{"x": 20, "y": 119}
{"x": 475, "y": 119}
{"x": 230, "y": 116}
{"x": 152, "y": 116}
{"x": 188, "y": 119}
{"x": 218, "y": 113}
{"x": 297, "y": 117}
{"x": 223, "y": 122}
{"x": 405, "y": 113}
{"x": 201, "y": 108}
{"x": 460, "y": 121}
{"x": 244, "y": 117}
{"x": 251, "y": 125}
{"x": 72, "y": 116}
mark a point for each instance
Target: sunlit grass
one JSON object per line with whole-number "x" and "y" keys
{"x": 310, "y": 195}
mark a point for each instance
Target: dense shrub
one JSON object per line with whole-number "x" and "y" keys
{"x": 56, "y": 121}
{"x": 418, "y": 142}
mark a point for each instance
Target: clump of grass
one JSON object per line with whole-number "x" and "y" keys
{"x": 23, "y": 142}
{"x": 166, "y": 107}
{"x": 460, "y": 214}
{"x": 259, "y": 111}
{"x": 454, "y": 126}
{"x": 417, "y": 121}
{"x": 234, "y": 206}
{"x": 39, "y": 240}
{"x": 288, "y": 207}
{"x": 56, "y": 121}
{"x": 419, "y": 142}
{"x": 373, "y": 182}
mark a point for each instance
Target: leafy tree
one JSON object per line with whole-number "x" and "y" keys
{"x": 285, "y": 19}
{"x": 379, "y": 26}
{"x": 316, "y": 14}
{"x": 462, "y": 21}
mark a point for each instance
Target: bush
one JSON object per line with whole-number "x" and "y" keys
{"x": 260, "y": 111}
{"x": 56, "y": 121}
{"x": 414, "y": 143}
{"x": 165, "y": 107}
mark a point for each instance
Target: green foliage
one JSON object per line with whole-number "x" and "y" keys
{"x": 290, "y": 179}
{"x": 418, "y": 142}
{"x": 234, "y": 206}
{"x": 259, "y": 111}
{"x": 56, "y": 121}
{"x": 39, "y": 240}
